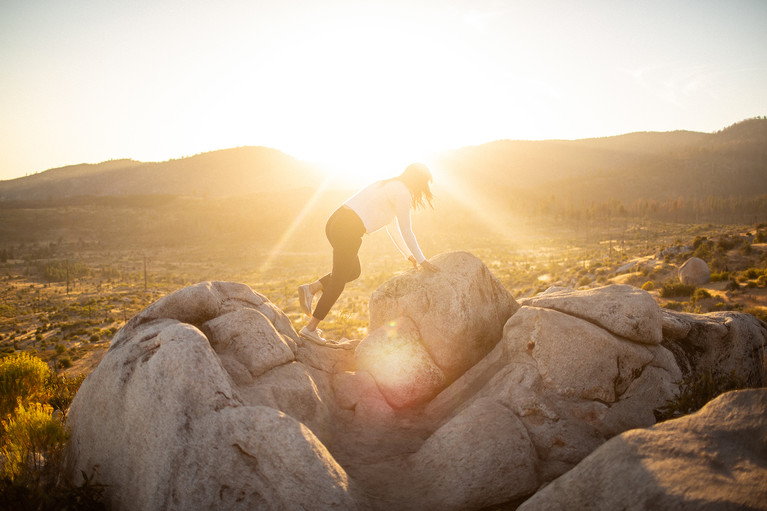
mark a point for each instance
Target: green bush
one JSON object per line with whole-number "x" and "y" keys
{"x": 674, "y": 288}
{"x": 698, "y": 241}
{"x": 61, "y": 389}
{"x": 727, "y": 242}
{"x": 720, "y": 277}
{"x": 33, "y": 441}
{"x": 32, "y": 437}
{"x": 732, "y": 285}
{"x": 700, "y": 294}
{"x": 648, "y": 286}
{"x": 702, "y": 247}
{"x": 22, "y": 379}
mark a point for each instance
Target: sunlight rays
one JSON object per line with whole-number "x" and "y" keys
{"x": 492, "y": 215}
{"x": 286, "y": 236}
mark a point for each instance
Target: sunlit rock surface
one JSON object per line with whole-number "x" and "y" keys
{"x": 695, "y": 272}
{"x": 714, "y": 459}
{"x": 623, "y": 310}
{"x": 458, "y": 399}
{"x": 459, "y": 312}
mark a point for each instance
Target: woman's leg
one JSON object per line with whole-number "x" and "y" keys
{"x": 306, "y": 293}
{"x": 346, "y": 268}
{"x": 344, "y": 231}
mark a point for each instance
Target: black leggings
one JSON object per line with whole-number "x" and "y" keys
{"x": 344, "y": 231}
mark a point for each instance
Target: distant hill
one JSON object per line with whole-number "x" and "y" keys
{"x": 650, "y": 165}
{"x": 229, "y": 172}
{"x": 658, "y": 166}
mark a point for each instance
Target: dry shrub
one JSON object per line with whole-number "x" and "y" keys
{"x": 33, "y": 438}
{"x": 22, "y": 379}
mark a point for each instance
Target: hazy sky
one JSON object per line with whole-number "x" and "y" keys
{"x": 363, "y": 85}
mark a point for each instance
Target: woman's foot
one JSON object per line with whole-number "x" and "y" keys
{"x": 305, "y": 298}
{"x": 312, "y": 335}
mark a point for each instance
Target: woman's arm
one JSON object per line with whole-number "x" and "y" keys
{"x": 405, "y": 228}
{"x": 394, "y": 233}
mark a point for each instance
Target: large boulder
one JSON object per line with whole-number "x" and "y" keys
{"x": 694, "y": 272}
{"x": 459, "y": 312}
{"x": 730, "y": 344}
{"x": 426, "y": 329}
{"x": 623, "y": 310}
{"x": 572, "y": 383}
{"x": 492, "y": 459}
{"x": 714, "y": 459}
{"x": 576, "y": 358}
{"x": 167, "y": 422}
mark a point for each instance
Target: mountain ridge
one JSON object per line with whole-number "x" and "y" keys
{"x": 641, "y": 165}
{"x": 234, "y": 171}
{"x": 649, "y": 165}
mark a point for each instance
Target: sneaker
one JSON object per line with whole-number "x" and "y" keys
{"x": 313, "y": 335}
{"x": 305, "y": 298}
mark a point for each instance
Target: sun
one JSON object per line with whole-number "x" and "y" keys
{"x": 362, "y": 97}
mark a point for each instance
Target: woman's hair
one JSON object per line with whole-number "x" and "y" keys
{"x": 417, "y": 178}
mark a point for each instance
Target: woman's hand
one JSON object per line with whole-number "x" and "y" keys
{"x": 430, "y": 267}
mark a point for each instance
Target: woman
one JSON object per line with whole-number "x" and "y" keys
{"x": 382, "y": 204}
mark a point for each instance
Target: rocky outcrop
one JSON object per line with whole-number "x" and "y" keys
{"x": 623, "y": 310}
{"x": 694, "y": 272}
{"x": 714, "y": 459}
{"x": 171, "y": 423}
{"x": 457, "y": 399}
{"x": 720, "y": 343}
{"x": 427, "y": 329}
{"x": 571, "y": 383}
{"x": 459, "y": 313}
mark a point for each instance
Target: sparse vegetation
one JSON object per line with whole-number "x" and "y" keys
{"x": 22, "y": 381}
{"x": 33, "y": 436}
{"x": 32, "y": 441}
{"x": 676, "y": 288}
{"x": 697, "y": 390}
{"x": 700, "y": 294}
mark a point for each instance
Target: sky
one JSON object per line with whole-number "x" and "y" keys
{"x": 363, "y": 86}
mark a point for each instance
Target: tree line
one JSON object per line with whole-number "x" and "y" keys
{"x": 710, "y": 209}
